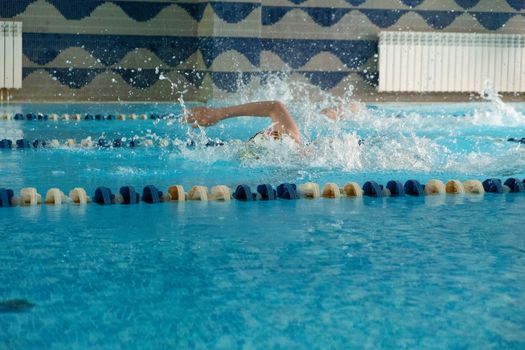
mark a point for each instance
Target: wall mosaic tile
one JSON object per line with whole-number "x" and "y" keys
{"x": 210, "y": 46}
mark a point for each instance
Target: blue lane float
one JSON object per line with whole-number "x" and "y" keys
{"x": 414, "y": 188}
{"x": 244, "y": 193}
{"x": 493, "y": 185}
{"x": 151, "y": 195}
{"x": 267, "y": 192}
{"x": 129, "y": 196}
{"x": 396, "y": 188}
{"x": 517, "y": 140}
{"x": 372, "y": 189}
{"x": 39, "y": 143}
{"x": 6, "y": 197}
{"x": 23, "y": 143}
{"x": 5, "y": 143}
{"x": 103, "y": 196}
{"x": 514, "y": 185}
{"x": 287, "y": 191}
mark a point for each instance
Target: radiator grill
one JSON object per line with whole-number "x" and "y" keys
{"x": 450, "y": 62}
{"x": 10, "y": 55}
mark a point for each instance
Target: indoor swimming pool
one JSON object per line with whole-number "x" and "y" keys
{"x": 444, "y": 271}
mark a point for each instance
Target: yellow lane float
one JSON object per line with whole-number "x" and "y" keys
{"x": 454, "y": 187}
{"x": 331, "y": 190}
{"x": 177, "y": 193}
{"x": 352, "y": 189}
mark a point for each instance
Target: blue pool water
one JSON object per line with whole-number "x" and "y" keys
{"x": 432, "y": 272}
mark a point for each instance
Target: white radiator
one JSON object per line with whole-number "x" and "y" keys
{"x": 10, "y": 55}
{"x": 451, "y": 62}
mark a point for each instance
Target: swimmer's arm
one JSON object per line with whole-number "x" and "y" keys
{"x": 336, "y": 113}
{"x": 281, "y": 118}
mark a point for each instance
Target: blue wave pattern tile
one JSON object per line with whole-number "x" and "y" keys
{"x": 273, "y": 14}
{"x": 11, "y": 8}
{"x": 75, "y": 10}
{"x": 232, "y": 12}
{"x": 77, "y": 78}
{"x": 213, "y": 47}
{"x": 296, "y": 53}
{"x": 518, "y": 5}
{"x": 439, "y": 19}
{"x": 383, "y": 18}
{"x": 356, "y": 2}
{"x": 42, "y": 48}
{"x": 492, "y": 21}
{"x": 325, "y": 80}
{"x": 232, "y": 81}
{"x": 74, "y": 78}
{"x": 412, "y": 3}
{"x": 328, "y": 17}
{"x": 142, "y": 79}
{"x": 142, "y": 11}
{"x": 466, "y": 4}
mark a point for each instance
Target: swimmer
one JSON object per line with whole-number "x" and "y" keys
{"x": 282, "y": 121}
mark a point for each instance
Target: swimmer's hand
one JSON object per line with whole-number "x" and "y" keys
{"x": 333, "y": 113}
{"x": 201, "y": 117}
{"x": 338, "y": 113}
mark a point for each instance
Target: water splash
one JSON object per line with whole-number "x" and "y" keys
{"x": 496, "y": 113}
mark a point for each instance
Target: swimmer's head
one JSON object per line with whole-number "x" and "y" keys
{"x": 266, "y": 134}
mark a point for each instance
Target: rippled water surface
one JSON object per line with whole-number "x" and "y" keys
{"x": 433, "y": 272}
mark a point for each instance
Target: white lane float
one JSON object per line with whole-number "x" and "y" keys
{"x": 87, "y": 142}
{"x": 29, "y": 197}
{"x": 310, "y": 190}
{"x": 435, "y": 187}
{"x": 55, "y": 196}
{"x": 220, "y": 193}
{"x": 78, "y": 196}
{"x": 473, "y": 187}
{"x": 198, "y": 193}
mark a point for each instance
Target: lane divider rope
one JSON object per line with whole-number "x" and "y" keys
{"x": 102, "y": 143}
{"x": 29, "y": 196}
{"x": 85, "y": 117}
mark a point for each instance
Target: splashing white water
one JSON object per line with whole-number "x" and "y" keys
{"x": 441, "y": 139}
{"x": 497, "y": 112}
